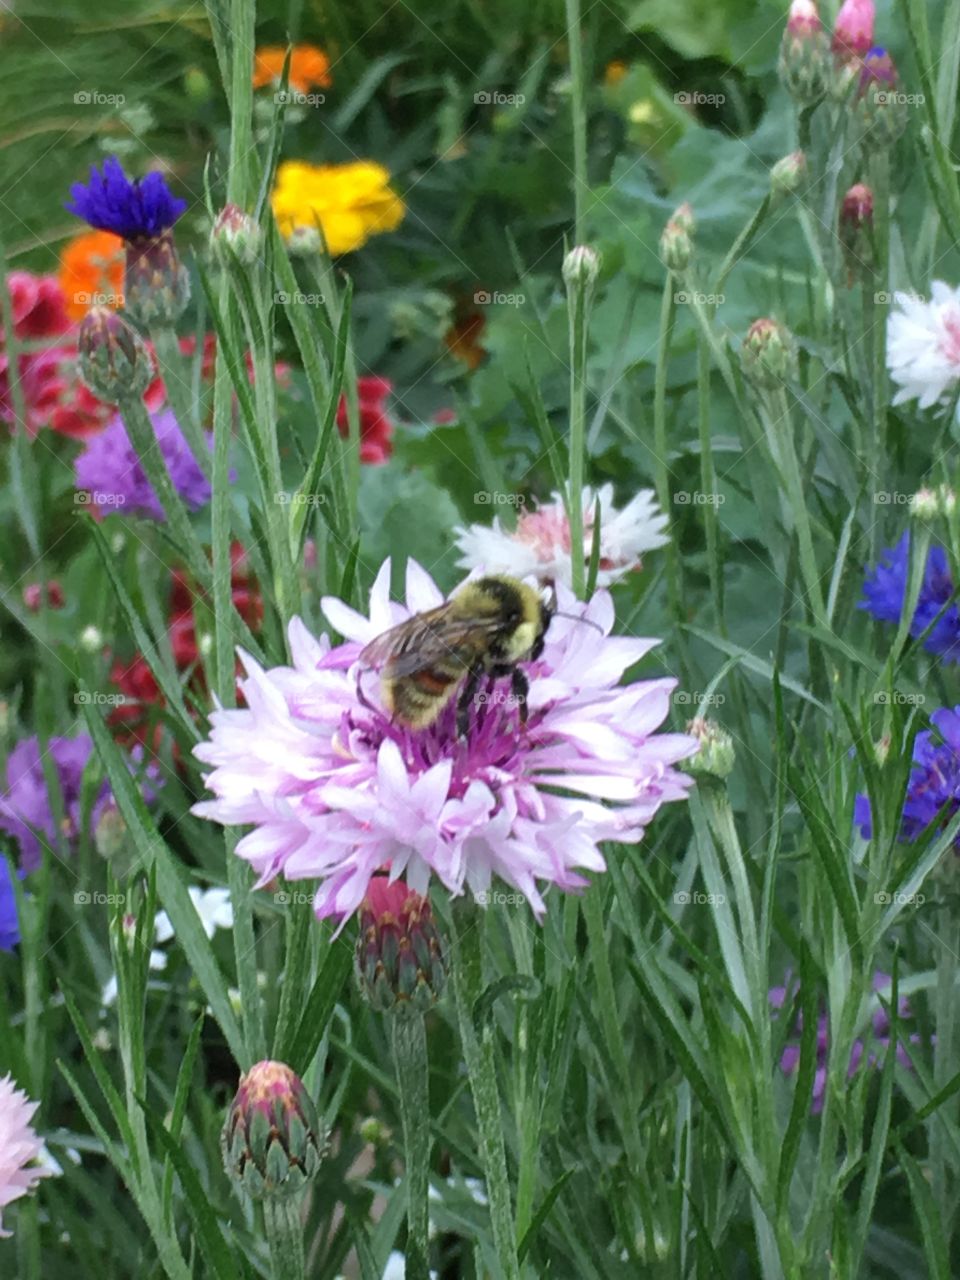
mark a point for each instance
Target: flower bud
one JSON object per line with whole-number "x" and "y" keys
{"x": 235, "y": 236}
{"x": 676, "y": 241}
{"x": 789, "y": 175}
{"x": 768, "y": 356}
{"x": 304, "y": 242}
{"x": 853, "y": 30}
{"x": 399, "y": 959}
{"x": 156, "y": 284}
{"x": 37, "y": 594}
{"x": 91, "y": 639}
{"x": 272, "y": 1141}
{"x": 114, "y": 362}
{"x": 880, "y": 108}
{"x": 804, "y": 54}
{"x": 581, "y": 267}
{"x": 929, "y": 504}
{"x": 716, "y": 756}
{"x": 856, "y": 231}
{"x": 110, "y": 837}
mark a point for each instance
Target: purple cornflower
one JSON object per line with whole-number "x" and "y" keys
{"x": 109, "y": 471}
{"x": 934, "y": 779}
{"x": 869, "y": 1051}
{"x": 885, "y": 587}
{"x": 137, "y": 208}
{"x": 9, "y": 925}
{"x": 336, "y": 790}
{"x": 25, "y": 810}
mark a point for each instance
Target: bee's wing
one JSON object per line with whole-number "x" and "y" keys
{"x": 426, "y": 639}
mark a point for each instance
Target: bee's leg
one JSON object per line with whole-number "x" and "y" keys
{"x": 467, "y": 695}
{"x": 520, "y": 687}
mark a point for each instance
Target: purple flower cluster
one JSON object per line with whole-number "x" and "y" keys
{"x": 135, "y": 208}
{"x": 934, "y": 780}
{"x": 869, "y": 1052}
{"x": 885, "y": 588}
{"x": 109, "y": 470}
{"x": 25, "y": 811}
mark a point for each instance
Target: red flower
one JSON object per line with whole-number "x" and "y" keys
{"x": 35, "y": 595}
{"x": 376, "y": 426}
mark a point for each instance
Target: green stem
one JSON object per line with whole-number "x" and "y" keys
{"x": 176, "y": 384}
{"x": 478, "y": 1052}
{"x": 578, "y": 118}
{"x": 281, "y": 1217}
{"x": 240, "y": 172}
{"x": 708, "y": 482}
{"x": 144, "y": 440}
{"x": 410, "y": 1056}
{"x": 579, "y": 292}
{"x": 660, "y": 448}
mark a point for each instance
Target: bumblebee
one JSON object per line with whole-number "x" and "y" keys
{"x": 488, "y": 628}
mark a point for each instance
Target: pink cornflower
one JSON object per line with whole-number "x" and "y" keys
{"x": 853, "y": 31}
{"x": 19, "y": 1146}
{"x": 337, "y": 791}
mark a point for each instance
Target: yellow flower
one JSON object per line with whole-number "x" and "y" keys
{"x": 351, "y": 202}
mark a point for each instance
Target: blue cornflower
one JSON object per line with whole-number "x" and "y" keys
{"x": 934, "y": 779}
{"x": 138, "y": 208}
{"x": 9, "y": 926}
{"x": 885, "y": 588}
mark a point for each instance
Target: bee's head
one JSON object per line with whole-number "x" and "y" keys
{"x": 549, "y": 611}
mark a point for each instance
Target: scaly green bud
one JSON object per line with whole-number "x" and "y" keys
{"x": 676, "y": 240}
{"x": 716, "y": 756}
{"x": 581, "y": 266}
{"x": 114, "y": 362}
{"x": 880, "y": 108}
{"x": 789, "y": 175}
{"x": 236, "y": 235}
{"x": 768, "y": 355}
{"x": 399, "y": 959}
{"x": 856, "y": 232}
{"x": 156, "y": 284}
{"x": 805, "y": 63}
{"x": 272, "y": 1140}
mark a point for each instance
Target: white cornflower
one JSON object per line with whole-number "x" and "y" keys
{"x": 540, "y": 544}
{"x": 923, "y": 345}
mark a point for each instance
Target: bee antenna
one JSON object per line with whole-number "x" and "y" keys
{"x": 575, "y": 617}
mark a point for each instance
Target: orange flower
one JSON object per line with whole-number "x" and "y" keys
{"x": 615, "y": 72}
{"x": 309, "y": 67}
{"x": 91, "y": 272}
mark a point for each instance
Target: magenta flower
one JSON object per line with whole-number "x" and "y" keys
{"x": 336, "y": 791}
{"x": 853, "y": 31}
